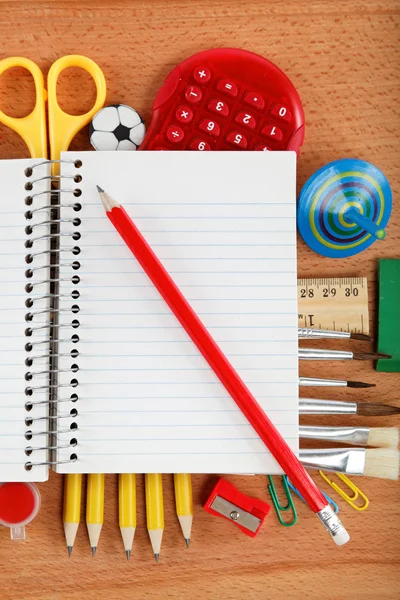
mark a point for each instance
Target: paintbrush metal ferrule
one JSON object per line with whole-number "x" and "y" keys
{"x": 307, "y": 333}
{"x": 316, "y": 382}
{"x": 311, "y": 406}
{"x": 343, "y": 460}
{"x": 356, "y": 436}
{"x": 322, "y": 354}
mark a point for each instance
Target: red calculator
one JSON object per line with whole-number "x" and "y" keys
{"x": 226, "y": 99}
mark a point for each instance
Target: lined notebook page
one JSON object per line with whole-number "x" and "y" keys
{"x": 13, "y": 323}
{"x": 224, "y": 226}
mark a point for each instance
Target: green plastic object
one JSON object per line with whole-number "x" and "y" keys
{"x": 389, "y": 315}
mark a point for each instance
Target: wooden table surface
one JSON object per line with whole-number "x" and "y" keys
{"x": 343, "y": 57}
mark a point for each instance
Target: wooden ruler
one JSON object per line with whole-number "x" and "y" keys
{"x": 334, "y": 303}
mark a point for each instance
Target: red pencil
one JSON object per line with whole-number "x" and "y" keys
{"x": 222, "y": 367}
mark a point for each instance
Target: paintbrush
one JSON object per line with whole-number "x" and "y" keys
{"x": 381, "y": 437}
{"x": 311, "y": 406}
{"x": 315, "y": 382}
{"x": 321, "y": 354}
{"x": 381, "y": 462}
{"x": 305, "y": 333}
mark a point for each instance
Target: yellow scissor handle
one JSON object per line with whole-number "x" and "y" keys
{"x": 62, "y": 126}
{"x": 31, "y": 128}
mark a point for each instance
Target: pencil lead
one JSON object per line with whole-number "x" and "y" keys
{"x": 69, "y": 548}
{"x": 370, "y": 355}
{"x": 99, "y": 189}
{"x": 128, "y": 554}
{"x": 361, "y": 337}
{"x": 187, "y": 540}
{"x": 156, "y": 556}
{"x": 359, "y": 384}
{"x": 373, "y": 409}
{"x": 94, "y": 548}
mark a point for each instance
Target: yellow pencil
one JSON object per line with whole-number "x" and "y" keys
{"x": 127, "y": 509}
{"x": 154, "y": 511}
{"x": 184, "y": 503}
{"x": 72, "y": 508}
{"x": 94, "y": 508}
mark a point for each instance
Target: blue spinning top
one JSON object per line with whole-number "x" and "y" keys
{"x": 344, "y": 208}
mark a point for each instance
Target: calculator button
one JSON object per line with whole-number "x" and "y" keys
{"x": 193, "y": 94}
{"x": 281, "y": 112}
{"x": 273, "y": 132}
{"x": 199, "y": 145}
{"x": 175, "y": 134}
{"x": 246, "y": 120}
{"x": 219, "y": 107}
{"x": 262, "y": 147}
{"x": 237, "y": 139}
{"x": 184, "y": 114}
{"x": 202, "y": 75}
{"x": 254, "y": 100}
{"x": 210, "y": 127}
{"x": 227, "y": 87}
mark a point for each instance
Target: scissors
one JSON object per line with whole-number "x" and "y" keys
{"x": 62, "y": 127}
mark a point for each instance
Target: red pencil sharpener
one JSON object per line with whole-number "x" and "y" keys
{"x": 245, "y": 512}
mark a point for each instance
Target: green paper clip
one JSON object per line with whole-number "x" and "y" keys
{"x": 278, "y": 506}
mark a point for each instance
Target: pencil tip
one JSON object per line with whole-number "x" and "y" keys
{"x": 370, "y": 355}
{"x": 128, "y": 554}
{"x": 361, "y": 337}
{"x": 69, "y": 550}
{"x": 359, "y": 384}
{"x": 108, "y": 202}
{"x": 187, "y": 540}
{"x": 94, "y": 548}
{"x": 157, "y": 556}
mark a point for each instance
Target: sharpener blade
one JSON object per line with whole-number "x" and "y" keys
{"x": 235, "y": 514}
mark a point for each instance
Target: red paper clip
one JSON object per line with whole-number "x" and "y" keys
{"x": 244, "y": 511}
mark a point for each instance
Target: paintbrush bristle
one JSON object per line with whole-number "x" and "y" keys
{"x": 360, "y": 384}
{"x": 361, "y": 336}
{"x": 383, "y": 437}
{"x": 369, "y": 355}
{"x": 382, "y": 462}
{"x": 373, "y": 409}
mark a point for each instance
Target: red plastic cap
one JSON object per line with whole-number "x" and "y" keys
{"x": 18, "y": 502}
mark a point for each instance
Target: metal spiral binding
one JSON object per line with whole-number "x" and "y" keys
{"x": 49, "y": 283}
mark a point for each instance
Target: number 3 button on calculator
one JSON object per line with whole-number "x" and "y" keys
{"x": 226, "y": 99}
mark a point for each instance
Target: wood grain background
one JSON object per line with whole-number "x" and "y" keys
{"x": 343, "y": 57}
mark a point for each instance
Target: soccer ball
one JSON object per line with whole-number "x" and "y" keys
{"x": 117, "y": 127}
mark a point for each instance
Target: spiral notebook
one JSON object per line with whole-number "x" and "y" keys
{"x": 97, "y": 373}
